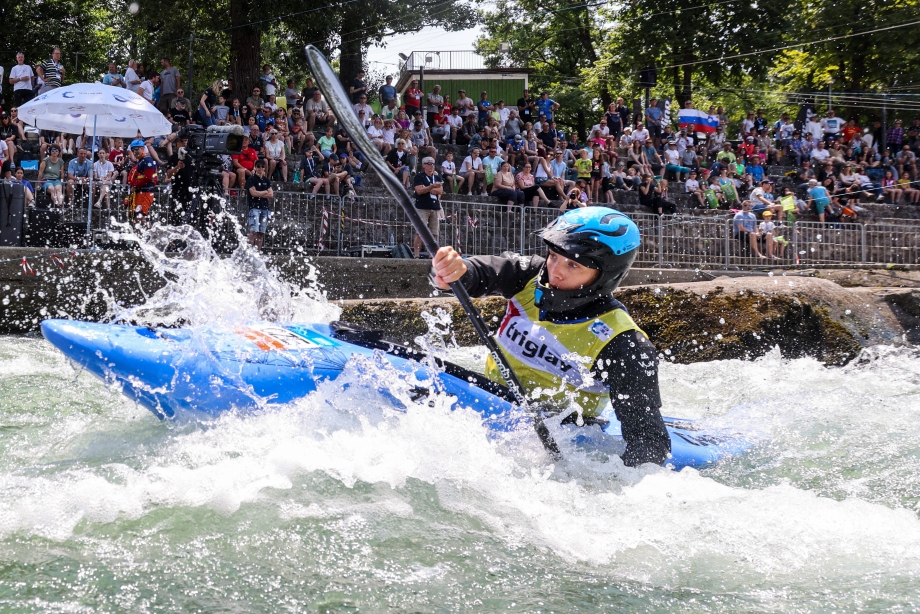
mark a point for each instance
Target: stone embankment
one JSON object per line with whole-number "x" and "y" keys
{"x": 690, "y": 316}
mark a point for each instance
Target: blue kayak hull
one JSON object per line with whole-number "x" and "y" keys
{"x": 207, "y": 371}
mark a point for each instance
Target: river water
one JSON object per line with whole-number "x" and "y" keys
{"x": 339, "y": 503}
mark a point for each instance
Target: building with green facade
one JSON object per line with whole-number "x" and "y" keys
{"x": 461, "y": 70}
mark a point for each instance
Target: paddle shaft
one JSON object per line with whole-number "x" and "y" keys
{"x": 344, "y": 112}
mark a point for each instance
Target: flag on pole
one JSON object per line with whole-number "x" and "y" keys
{"x": 696, "y": 121}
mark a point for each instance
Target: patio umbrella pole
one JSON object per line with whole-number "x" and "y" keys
{"x": 89, "y": 207}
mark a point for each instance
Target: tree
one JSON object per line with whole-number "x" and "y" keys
{"x": 559, "y": 40}
{"x": 705, "y": 37}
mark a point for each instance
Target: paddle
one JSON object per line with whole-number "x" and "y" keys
{"x": 337, "y": 98}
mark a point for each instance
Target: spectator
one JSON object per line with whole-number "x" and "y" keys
{"x": 469, "y": 129}
{"x": 50, "y": 174}
{"x": 814, "y": 127}
{"x": 692, "y": 187}
{"x": 28, "y": 188}
{"x": 760, "y": 122}
{"x": 387, "y": 92}
{"x": 181, "y": 99}
{"x": 766, "y": 230}
{"x": 51, "y": 72}
{"x": 103, "y": 174}
{"x": 265, "y": 120}
{"x": 361, "y": 105}
{"x": 546, "y": 106}
{"x": 895, "y": 136}
{"x": 819, "y": 154}
{"x": 484, "y": 108}
{"x": 428, "y": 191}
{"x": 358, "y": 88}
{"x": 148, "y": 86}
{"x": 454, "y": 125}
{"x": 435, "y": 102}
{"x": 244, "y": 162}
{"x": 471, "y": 171}
{"x": 640, "y": 133}
{"x": 311, "y": 172}
{"x": 255, "y": 100}
{"x": 672, "y": 159}
{"x": 653, "y": 120}
{"x": 412, "y": 99}
{"x": 398, "y": 161}
{"x": 78, "y": 171}
{"x": 762, "y": 198}
{"x": 275, "y": 154}
{"x": 220, "y": 112}
{"x": 421, "y": 139}
{"x": 21, "y": 79}
{"x": 907, "y": 162}
{"x": 744, "y": 227}
{"x": 747, "y": 126}
{"x": 819, "y": 197}
{"x": 505, "y": 187}
{"x": 291, "y": 95}
{"x": 449, "y": 173}
{"x": 831, "y": 125}
{"x": 465, "y": 104}
{"x": 531, "y": 187}
{"x": 170, "y": 82}
{"x": 317, "y": 111}
{"x": 258, "y": 192}
{"x": 526, "y": 108}
{"x": 390, "y": 110}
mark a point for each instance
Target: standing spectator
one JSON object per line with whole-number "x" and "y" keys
{"x": 51, "y": 72}
{"x": 142, "y": 178}
{"x": 428, "y": 190}
{"x": 614, "y": 121}
{"x": 357, "y": 88}
{"x": 148, "y": 86}
{"x": 170, "y": 81}
{"x": 760, "y": 122}
{"x": 258, "y": 191}
{"x": 412, "y": 99}
{"x": 291, "y": 95}
{"x": 132, "y": 80}
{"x": 308, "y": 90}
{"x": 21, "y": 80}
{"x": 895, "y": 135}
{"x": 653, "y": 120}
{"x": 747, "y": 125}
{"x": 546, "y": 106}
{"x": 484, "y": 108}
{"x": 435, "y": 101}
{"x": 831, "y": 125}
{"x": 465, "y": 104}
{"x": 818, "y": 195}
{"x": 526, "y": 109}
{"x": 113, "y": 77}
{"x": 268, "y": 82}
{"x": 387, "y": 92}
{"x": 623, "y": 110}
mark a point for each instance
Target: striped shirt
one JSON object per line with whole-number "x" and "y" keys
{"x": 52, "y": 73}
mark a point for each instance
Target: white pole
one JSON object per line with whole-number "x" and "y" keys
{"x": 89, "y": 207}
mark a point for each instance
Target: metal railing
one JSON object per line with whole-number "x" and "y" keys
{"x": 332, "y": 225}
{"x": 443, "y": 60}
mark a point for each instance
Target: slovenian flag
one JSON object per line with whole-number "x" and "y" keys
{"x": 697, "y": 121}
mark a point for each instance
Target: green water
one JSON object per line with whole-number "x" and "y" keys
{"x": 341, "y": 504}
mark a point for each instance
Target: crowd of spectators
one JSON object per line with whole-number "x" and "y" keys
{"x": 515, "y": 153}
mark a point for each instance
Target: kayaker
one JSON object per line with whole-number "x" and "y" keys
{"x": 561, "y": 305}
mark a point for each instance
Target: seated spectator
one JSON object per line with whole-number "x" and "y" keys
{"x": 244, "y": 162}
{"x": 311, "y": 171}
{"x": 504, "y": 187}
{"x": 692, "y": 187}
{"x": 421, "y": 139}
{"x": 672, "y": 158}
{"x": 275, "y": 155}
{"x": 376, "y": 134}
{"x": 327, "y": 144}
{"x": 472, "y": 173}
{"x": 78, "y": 171}
{"x": 650, "y": 197}
{"x": 907, "y": 162}
{"x": 449, "y": 173}
{"x": 819, "y": 154}
{"x": 398, "y": 161}
{"x": 317, "y": 111}
{"x": 531, "y": 188}
{"x": 28, "y": 188}
{"x": 762, "y": 199}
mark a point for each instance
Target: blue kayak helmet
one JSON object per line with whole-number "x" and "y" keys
{"x": 596, "y": 237}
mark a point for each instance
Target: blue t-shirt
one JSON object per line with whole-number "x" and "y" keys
{"x": 546, "y": 107}
{"x": 754, "y": 171}
{"x": 819, "y": 193}
{"x": 484, "y": 114}
{"x": 654, "y": 113}
{"x": 746, "y": 220}
{"x": 79, "y": 170}
{"x": 387, "y": 92}
{"x": 109, "y": 77}
{"x": 515, "y": 145}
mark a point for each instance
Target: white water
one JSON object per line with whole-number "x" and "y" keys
{"x": 341, "y": 503}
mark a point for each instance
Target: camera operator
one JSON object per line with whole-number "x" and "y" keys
{"x": 180, "y": 176}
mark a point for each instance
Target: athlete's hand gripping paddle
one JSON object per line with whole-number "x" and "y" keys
{"x": 337, "y": 98}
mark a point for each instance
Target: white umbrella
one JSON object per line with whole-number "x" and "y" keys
{"x": 102, "y": 109}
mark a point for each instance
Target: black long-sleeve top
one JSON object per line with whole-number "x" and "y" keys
{"x": 628, "y": 364}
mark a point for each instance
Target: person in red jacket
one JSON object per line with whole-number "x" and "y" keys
{"x": 142, "y": 179}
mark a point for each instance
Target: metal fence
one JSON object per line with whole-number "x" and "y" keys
{"x": 331, "y": 225}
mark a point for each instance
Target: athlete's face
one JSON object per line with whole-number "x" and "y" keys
{"x": 565, "y": 274}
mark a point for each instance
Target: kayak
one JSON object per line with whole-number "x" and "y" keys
{"x": 202, "y": 372}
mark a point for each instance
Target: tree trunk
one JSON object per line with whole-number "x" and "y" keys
{"x": 687, "y": 89}
{"x": 351, "y": 50}
{"x": 245, "y": 49}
